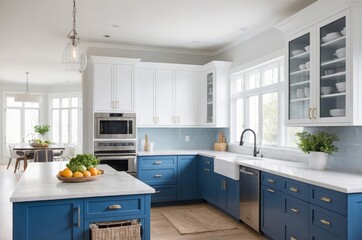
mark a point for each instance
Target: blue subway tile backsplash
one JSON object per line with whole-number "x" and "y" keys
{"x": 174, "y": 138}
{"x": 349, "y": 155}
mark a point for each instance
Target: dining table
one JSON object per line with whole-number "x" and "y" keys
{"x": 27, "y": 148}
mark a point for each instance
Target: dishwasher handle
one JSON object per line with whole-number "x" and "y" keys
{"x": 247, "y": 172}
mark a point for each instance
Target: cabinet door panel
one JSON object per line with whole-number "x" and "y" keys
{"x": 164, "y": 97}
{"x": 186, "y": 98}
{"x": 124, "y": 90}
{"x": 146, "y": 97}
{"x": 49, "y": 220}
{"x": 103, "y": 87}
{"x": 232, "y": 204}
{"x": 186, "y": 177}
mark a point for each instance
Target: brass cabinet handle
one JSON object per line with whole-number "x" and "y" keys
{"x": 270, "y": 180}
{"x": 154, "y": 119}
{"x": 270, "y": 190}
{"x": 325, "y": 222}
{"x": 294, "y": 210}
{"x": 157, "y": 176}
{"x": 157, "y": 162}
{"x": 315, "y": 113}
{"x": 158, "y": 119}
{"x": 115, "y": 206}
{"x": 78, "y": 217}
{"x": 326, "y": 199}
{"x": 309, "y": 114}
{"x": 157, "y": 191}
{"x": 173, "y": 119}
{"x": 207, "y": 170}
{"x": 293, "y": 238}
{"x": 294, "y": 189}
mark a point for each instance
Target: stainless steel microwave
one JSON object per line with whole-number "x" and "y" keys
{"x": 115, "y": 125}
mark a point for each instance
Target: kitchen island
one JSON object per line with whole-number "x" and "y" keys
{"x": 45, "y": 208}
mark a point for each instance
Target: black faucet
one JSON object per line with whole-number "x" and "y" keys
{"x": 255, "y": 152}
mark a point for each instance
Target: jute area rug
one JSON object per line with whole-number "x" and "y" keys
{"x": 197, "y": 220}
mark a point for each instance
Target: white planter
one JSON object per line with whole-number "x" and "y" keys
{"x": 317, "y": 160}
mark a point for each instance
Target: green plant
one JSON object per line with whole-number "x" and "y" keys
{"x": 82, "y": 160}
{"x": 42, "y": 129}
{"x": 317, "y": 142}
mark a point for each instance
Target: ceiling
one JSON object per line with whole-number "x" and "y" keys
{"x": 33, "y": 33}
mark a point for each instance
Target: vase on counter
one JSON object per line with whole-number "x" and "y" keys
{"x": 317, "y": 160}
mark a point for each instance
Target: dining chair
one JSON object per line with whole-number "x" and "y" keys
{"x": 15, "y": 156}
{"x": 43, "y": 155}
{"x": 66, "y": 154}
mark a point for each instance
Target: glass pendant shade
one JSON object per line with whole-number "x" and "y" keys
{"x": 26, "y": 98}
{"x": 74, "y": 58}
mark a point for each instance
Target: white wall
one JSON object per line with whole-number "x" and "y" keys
{"x": 39, "y": 89}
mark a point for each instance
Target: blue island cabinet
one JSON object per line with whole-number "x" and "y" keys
{"x": 70, "y": 218}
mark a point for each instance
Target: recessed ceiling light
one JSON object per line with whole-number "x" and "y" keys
{"x": 242, "y": 29}
{"x": 195, "y": 41}
{"x": 106, "y": 36}
{"x": 115, "y": 25}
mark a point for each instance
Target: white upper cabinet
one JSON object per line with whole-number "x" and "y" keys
{"x": 214, "y": 94}
{"x": 113, "y": 81}
{"x": 167, "y": 95}
{"x": 324, "y": 64}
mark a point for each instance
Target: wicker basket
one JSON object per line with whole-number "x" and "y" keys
{"x": 117, "y": 230}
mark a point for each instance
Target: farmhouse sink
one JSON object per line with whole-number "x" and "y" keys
{"x": 227, "y": 166}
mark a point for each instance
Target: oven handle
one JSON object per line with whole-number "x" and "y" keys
{"x": 114, "y": 157}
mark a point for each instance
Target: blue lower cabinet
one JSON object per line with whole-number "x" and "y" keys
{"x": 206, "y": 178}
{"x": 271, "y": 221}
{"x": 186, "y": 178}
{"x": 296, "y": 213}
{"x": 69, "y": 219}
{"x": 293, "y": 234}
{"x": 48, "y": 220}
{"x": 227, "y": 195}
{"x": 164, "y": 193}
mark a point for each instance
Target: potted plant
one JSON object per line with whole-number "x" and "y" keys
{"x": 318, "y": 146}
{"x": 41, "y": 130}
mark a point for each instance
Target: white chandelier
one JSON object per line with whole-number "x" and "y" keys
{"x": 27, "y": 97}
{"x": 74, "y": 56}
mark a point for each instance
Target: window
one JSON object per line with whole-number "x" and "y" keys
{"x": 257, "y": 102}
{"x": 65, "y": 118}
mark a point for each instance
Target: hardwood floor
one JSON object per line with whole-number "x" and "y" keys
{"x": 161, "y": 228}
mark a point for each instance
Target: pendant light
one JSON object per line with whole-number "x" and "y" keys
{"x": 26, "y": 97}
{"x": 74, "y": 57}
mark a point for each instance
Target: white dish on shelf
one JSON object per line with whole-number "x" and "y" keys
{"x": 341, "y": 86}
{"x": 337, "y": 112}
{"x": 340, "y": 53}
{"x": 307, "y": 65}
{"x": 301, "y": 66}
{"x": 326, "y": 90}
{"x": 307, "y": 48}
{"x": 297, "y": 52}
{"x": 332, "y": 37}
{"x": 343, "y": 32}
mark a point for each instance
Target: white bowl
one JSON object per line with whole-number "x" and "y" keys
{"x": 332, "y": 34}
{"x": 307, "y": 64}
{"x": 297, "y": 52}
{"x": 341, "y": 86}
{"x": 340, "y": 53}
{"x": 326, "y": 90}
{"x": 329, "y": 38}
{"x": 301, "y": 66}
{"x": 343, "y": 32}
{"x": 307, "y": 48}
{"x": 337, "y": 112}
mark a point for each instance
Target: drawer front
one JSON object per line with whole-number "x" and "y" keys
{"x": 328, "y": 221}
{"x": 207, "y": 162}
{"x": 272, "y": 180}
{"x": 158, "y": 176}
{"x": 296, "y": 213}
{"x": 296, "y": 189}
{"x": 292, "y": 234}
{"x": 329, "y": 199}
{"x": 114, "y": 206}
{"x": 164, "y": 193}
{"x": 157, "y": 162}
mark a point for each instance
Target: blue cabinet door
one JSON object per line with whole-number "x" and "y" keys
{"x": 220, "y": 193}
{"x": 232, "y": 204}
{"x": 60, "y": 219}
{"x": 207, "y": 180}
{"x": 271, "y": 212}
{"x": 186, "y": 177}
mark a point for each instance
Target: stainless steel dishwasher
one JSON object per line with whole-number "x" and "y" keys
{"x": 249, "y": 197}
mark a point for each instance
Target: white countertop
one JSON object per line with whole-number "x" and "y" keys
{"x": 335, "y": 180}
{"x": 206, "y": 153}
{"x": 39, "y": 182}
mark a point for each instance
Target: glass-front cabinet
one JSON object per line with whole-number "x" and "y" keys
{"x": 319, "y": 74}
{"x": 210, "y": 98}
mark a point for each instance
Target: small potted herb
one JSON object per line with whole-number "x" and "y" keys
{"x": 41, "y": 130}
{"x": 318, "y": 146}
